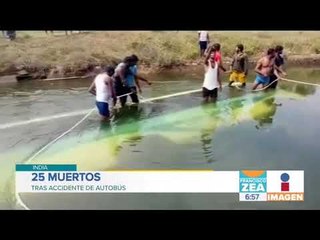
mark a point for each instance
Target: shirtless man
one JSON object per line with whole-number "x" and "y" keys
{"x": 264, "y": 68}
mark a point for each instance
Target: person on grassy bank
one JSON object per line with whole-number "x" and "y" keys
{"x": 204, "y": 39}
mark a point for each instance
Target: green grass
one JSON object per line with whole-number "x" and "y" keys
{"x": 36, "y": 50}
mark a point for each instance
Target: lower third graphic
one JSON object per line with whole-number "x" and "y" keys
{"x": 285, "y": 186}
{"x": 253, "y": 185}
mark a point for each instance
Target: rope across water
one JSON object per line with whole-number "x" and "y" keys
{"x": 23, "y": 205}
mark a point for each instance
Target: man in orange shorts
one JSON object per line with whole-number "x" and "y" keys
{"x": 239, "y": 67}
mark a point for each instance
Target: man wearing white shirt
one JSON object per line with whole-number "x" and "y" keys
{"x": 212, "y": 81}
{"x": 102, "y": 88}
{"x": 203, "y": 41}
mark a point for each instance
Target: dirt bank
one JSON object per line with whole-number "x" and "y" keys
{"x": 55, "y": 56}
{"x": 67, "y": 71}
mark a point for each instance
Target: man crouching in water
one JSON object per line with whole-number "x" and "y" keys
{"x": 212, "y": 80}
{"x": 102, "y": 88}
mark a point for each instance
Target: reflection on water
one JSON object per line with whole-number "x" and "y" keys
{"x": 264, "y": 118}
{"x": 261, "y": 109}
{"x": 208, "y": 129}
{"x": 299, "y": 88}
{"x": 131, "y": 115}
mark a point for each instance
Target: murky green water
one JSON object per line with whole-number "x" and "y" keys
{"x": 274, "y": 130}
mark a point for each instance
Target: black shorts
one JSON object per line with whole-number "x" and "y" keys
{"x": 134, "y": 96}
{"x": 272, "y": 81}
{"x": 119, "y": 88}
{"x": 210, "y": 93}
{"x": 203, "y": 45}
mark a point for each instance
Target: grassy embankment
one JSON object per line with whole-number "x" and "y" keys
{"x": 74, "y": 54}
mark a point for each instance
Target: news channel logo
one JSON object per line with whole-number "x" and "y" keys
{"x": 261, "y": 185}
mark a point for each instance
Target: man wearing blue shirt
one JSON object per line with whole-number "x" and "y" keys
{"x": 132, "y": 79}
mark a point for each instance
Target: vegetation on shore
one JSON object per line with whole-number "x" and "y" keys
{"x": 75, "y": 54}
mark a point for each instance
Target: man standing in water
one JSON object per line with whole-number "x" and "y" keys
{"x": 102, "y": 88}
{"x": 126, "y": 79}
{"x": 203, "y": 41}
{"x": 132, "y": 79}
{"x": 239, "y": 67}
{"x": 120, "y": 81}
{"x": 264, "y": 68}
{"x": 212, "y": 80}
{"x": 279, "y": 62}
{"x": 218, "y": 57}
